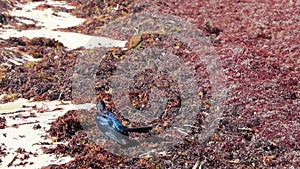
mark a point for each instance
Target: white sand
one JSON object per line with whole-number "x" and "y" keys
{"x": 69, "y": 39}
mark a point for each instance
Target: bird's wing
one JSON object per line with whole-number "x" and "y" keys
{"x": 116, "y": 123}
{"x": 103, "y": 120}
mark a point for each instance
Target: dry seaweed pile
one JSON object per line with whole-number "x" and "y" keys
{"x": 47, "y": 79}
{"x": 65, "y": 126}
{"x": 258, "y": 47}
{"x": 257, "y": 44}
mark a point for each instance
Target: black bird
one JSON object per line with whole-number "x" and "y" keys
{"x": 112, "y": 128}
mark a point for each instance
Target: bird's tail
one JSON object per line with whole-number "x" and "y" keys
{"x": 139, "y": 129}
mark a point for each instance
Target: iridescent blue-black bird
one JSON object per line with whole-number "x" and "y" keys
{"x": 112, "y": 128}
